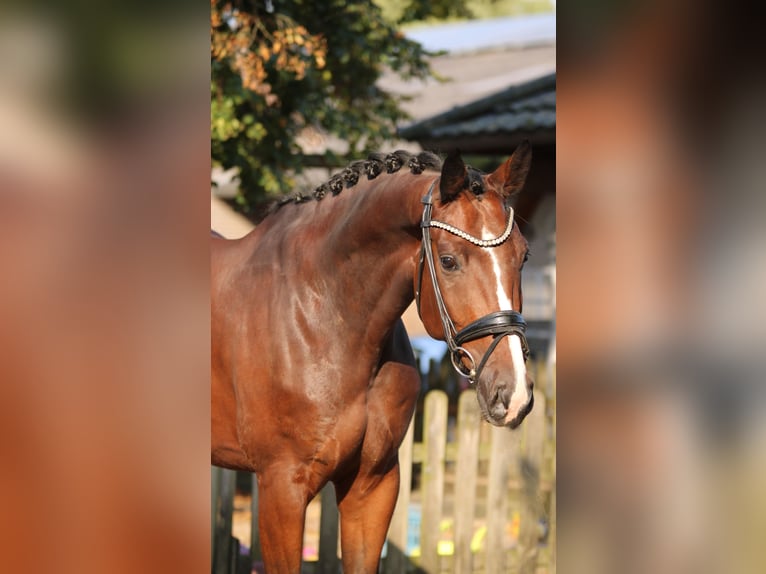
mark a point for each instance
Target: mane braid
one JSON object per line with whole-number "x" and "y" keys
{"x": 395, "y": 160}
{"x": 336, "y": 184}
{"x": 351, "y": 173}
{"x": 375, "y": 164}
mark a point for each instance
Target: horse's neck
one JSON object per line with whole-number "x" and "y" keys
{"x": 346, "y": 261}
{"x": 380, "y": 240}
{"x": 371, "y": 250}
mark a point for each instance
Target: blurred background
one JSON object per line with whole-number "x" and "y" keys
{"x": 660, "y": 326}
{"x": 105, "y": 171}
{"x": 104, "y": 274}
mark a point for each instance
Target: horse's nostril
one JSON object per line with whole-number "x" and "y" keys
{"x": 503, "y": 396}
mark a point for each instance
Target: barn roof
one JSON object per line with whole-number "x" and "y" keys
{"x": 494, "y": 123}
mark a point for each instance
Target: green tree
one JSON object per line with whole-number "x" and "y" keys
{"x": 281, "y": 66}
{"x": 416, "y": 10}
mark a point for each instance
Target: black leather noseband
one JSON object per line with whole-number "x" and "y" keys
{"x": 499, "y": 324}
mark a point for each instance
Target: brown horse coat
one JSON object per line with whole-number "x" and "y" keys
{"x": 313, "y": 377}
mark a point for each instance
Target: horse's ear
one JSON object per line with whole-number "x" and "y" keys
{"x": 513, "y": 173}
{"x": 453, "y": 177}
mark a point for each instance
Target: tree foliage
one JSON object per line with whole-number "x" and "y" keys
{"x": 416, "y": 10}
{"x": 280, "y": 66}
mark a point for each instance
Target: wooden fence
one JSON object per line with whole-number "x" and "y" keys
{"x": 484, "y": 497}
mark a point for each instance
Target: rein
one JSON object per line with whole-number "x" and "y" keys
{"x": 499, "y": 324}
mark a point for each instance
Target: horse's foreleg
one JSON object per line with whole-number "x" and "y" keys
{"x": 281, "y": 515}
{"x": 367, "y": 497}
{"x": 366, "y": 506}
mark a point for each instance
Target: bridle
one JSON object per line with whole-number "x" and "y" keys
{"x": 499, "y": 324}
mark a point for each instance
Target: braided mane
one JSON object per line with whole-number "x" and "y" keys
{"x": 376, "y": 164}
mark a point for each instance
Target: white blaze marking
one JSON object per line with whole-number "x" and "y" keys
{"x": 520, "y": 395}
{"x": 502, "y": 297}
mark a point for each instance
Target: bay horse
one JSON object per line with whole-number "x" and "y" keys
{"x": 313, "y": 377}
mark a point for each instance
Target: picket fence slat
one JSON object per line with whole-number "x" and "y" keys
{"x": 255, "y": 536}
{"x": 465, "y": 479}
{"x": 328, "y": 532}
{"x": 215, "y": 488}
{"x": 551, "y": 545}
{"x": 505, "y": 448}
{"x": 224, "y": 511}
{"x": 396, "y": 558}
{"x": 532, "y": 503}
{"x": 435, "y": 440}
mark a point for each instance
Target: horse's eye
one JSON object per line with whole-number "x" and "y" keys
{"x": 449, "y": 263}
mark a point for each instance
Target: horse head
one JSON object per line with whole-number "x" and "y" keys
{"x": 468, "y": 285}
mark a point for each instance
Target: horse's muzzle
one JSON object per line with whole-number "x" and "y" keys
{"x": 509, "y": 403}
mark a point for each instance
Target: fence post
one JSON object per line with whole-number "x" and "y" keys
{"x": 468, "y": 421}
{"x": 553, "y": 519}
{"x": 396, "y": 557}
{"x": 531, "y": 469}
{"x": 435, "y": 444}
{"x": 215, "y": 486}
{"x": 552, "y": 526}
{"x": 328, "y": 532}
{"x": 503, "y": 450}
{"x": 255, "y": 534}
{"x": 222, "y": 544}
